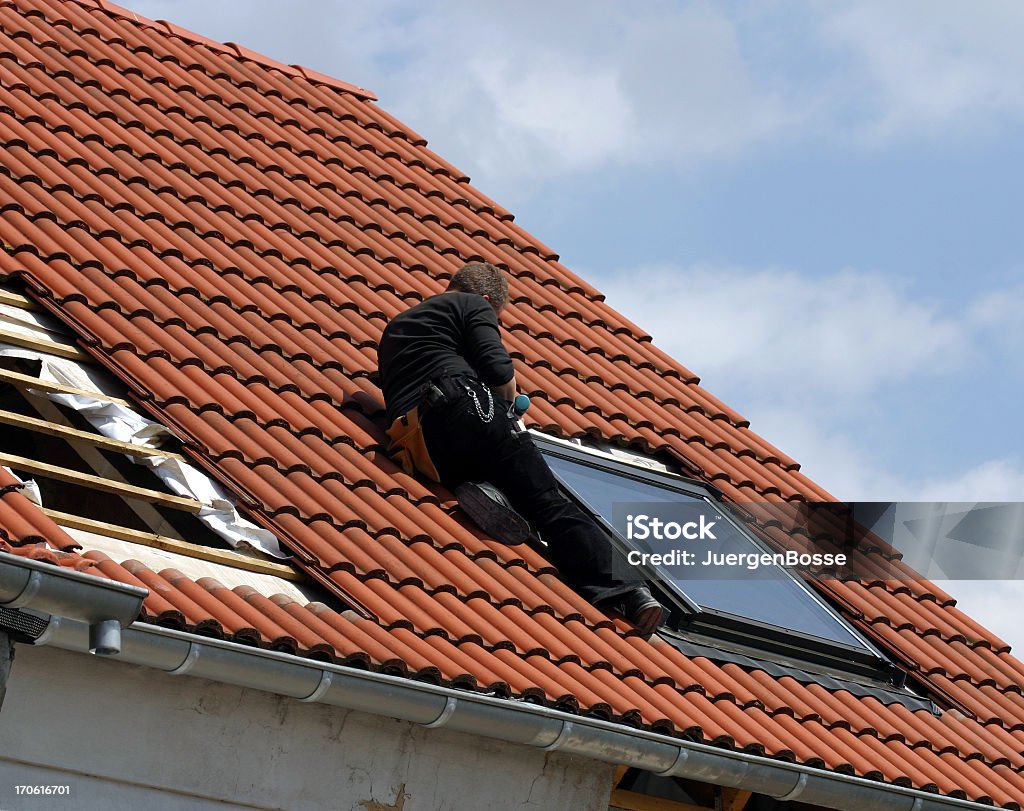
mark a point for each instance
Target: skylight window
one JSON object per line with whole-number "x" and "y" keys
{"x": 773, "y": 612}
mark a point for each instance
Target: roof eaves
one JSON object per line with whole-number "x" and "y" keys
{"x": 523, "y": 723}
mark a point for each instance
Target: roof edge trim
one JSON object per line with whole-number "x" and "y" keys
{"x": 516, "y": 722}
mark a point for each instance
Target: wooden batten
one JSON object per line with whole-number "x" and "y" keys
{"x": 19, "y": 301}
{"x": 30, "y": 382}
{"x": 222, "y": 556}
{"x": 75, "y": 435}
{"x": 37, "y": 468}
{"x": 48, "y": 347}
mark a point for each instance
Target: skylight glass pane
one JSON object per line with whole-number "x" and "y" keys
{"x": 774, "y": 597}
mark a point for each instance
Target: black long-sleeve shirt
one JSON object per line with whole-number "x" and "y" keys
{"x": 454, "y": 333}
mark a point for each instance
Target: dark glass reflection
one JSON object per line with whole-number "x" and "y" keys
{"x": 772, "y": 597}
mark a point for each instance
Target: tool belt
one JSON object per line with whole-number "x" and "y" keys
{"x": 407, "y": 446}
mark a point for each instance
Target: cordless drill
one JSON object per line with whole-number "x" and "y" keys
{"x": 520, "y": 403}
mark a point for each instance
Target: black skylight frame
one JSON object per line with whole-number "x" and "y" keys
{"x": 687, "y": 621}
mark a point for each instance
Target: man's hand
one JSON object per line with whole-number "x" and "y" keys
{"x": 506, "y": 391}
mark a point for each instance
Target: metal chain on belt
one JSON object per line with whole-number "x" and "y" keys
{"x": 489, "y": 415}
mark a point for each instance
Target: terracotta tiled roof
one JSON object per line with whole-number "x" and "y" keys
{"x": 229, "y": 235}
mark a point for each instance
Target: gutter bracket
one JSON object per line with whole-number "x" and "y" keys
{"x": 35, "y": 580}
{"x": 324, "y": 685}
{"x": 188, "y": 661}
{"x": 52, "y": 628}
{"x": 797, "y": 790}
{"x": 681, "y": 757}
{"x": 449, "y": 707}
{"x": 562, "y": 736}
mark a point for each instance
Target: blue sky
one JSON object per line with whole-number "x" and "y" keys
{"x": 823, "y": 200}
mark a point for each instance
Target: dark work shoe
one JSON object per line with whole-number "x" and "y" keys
{"x": 492, "y": 512}
{"x": 640, "y": 608}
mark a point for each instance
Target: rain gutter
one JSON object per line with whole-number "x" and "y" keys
{"x": 68, "y": 604}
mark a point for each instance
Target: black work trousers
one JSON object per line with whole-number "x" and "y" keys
{"x": 468, "y": 441}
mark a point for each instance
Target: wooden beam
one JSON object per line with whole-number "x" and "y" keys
{"x": 43, "y": 345}
{"x": 74, "y": 434}
{"x": 19, "y": 301}
{"x": 222, "y": 556}
{"x": 37, "y": 468}
{"x": 27, "y": 381}
{"x": 634, "y": 801}
{"x": 731, "y": 799}
{"x": 620, "y": 772}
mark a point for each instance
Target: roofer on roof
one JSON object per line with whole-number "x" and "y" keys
{"x": 448, "y": 384}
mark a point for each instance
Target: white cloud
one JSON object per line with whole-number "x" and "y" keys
{"x": 532, "y": 89}
{"x": 693, "y": 88}
{"x": 848, "y": 468}
{"x": 813, "y": 355}
{"x": 998, "y": 315}
{"x": 529, "y": 90}
{"x": 926, "y": 67}
{"x": 843, "y": 334}
{"x": 830, "y": 458}
{"x": 994, "y": 480}
{"x": 544, "y": 115}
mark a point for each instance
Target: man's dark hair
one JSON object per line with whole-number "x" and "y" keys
{"x": 484, "y": 279}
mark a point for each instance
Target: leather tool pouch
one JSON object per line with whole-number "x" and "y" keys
{"x": 407, "y": 446}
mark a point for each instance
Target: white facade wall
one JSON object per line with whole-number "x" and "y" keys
{"x": 127, "y": 737}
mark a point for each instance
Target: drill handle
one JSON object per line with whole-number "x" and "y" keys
{"x": 520, "y": 405}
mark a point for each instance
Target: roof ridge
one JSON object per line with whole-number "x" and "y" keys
{"x": 238, "y": 51}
